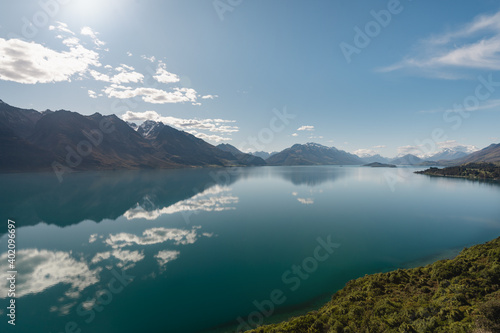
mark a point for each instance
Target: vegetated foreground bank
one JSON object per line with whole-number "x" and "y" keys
{"x": 457, "y": 295}
{"x": 486, "y": 171}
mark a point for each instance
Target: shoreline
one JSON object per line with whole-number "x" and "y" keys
{"x": 316, "y": 303}
{"x": 436, "y": 296}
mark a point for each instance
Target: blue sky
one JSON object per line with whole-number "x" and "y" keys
{"x": 411, "y": 81}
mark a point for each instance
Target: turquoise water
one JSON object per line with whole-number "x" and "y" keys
{"x": 209, "y": 250}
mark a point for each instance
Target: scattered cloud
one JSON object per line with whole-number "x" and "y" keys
{"x": 306, "y": 128}
{"x": 126, "y": 74}
{"x": 92, "y": 94}
{"x": 61, "y": 27}
{"x": 209, "y": 96}
{"x": 192, "y": 126}
{"x": 150, "y": 59}
{"x": 365, "y": 152}
{"x": 163, "y": 76}
{"x": 30, "y": 63}
{"x": 209, "y": 137}
{"x": 152, "y": 95}
{"x": 295, "y": 134}
{"x": 369, "y": 152}
{"x": 129, "y": 53}
{"x": 87, "y": 31}
{"x": 475, "y": 45}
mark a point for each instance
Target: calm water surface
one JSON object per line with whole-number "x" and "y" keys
{"x": 194, "y": 250}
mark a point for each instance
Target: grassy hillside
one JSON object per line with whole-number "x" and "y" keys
{"x": 458, "y": 295}
{"x": 471, "y": 171}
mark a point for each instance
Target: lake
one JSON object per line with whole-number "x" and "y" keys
{"x": 211, "y": 250}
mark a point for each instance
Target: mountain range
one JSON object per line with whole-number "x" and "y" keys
{"x": 65, "y": 141}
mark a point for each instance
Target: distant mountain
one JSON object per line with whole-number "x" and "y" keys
{"x": 450, "y": 154}
{"x": 38, "y": 141}
{"x": 408, "y": 159}
{"x": 263, "y": 154}
{"x": 490, "y": 154}
{"x": 230, "y": 148}
{"x": 313, "y": 154}
{"x": 375, "y": 159}
{"x": 241, "y": 156}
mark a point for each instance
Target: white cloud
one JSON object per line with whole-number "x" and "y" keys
{"x": 129, "y": 53}
{"x": 190, "y": 125}
{"x": 152, "y": 95}
{"x": 475, "y": 45}
{"x": 151, "y": 59}
{"x": 163, "y": 76}
{"x": 209, "y": 96}
{"x": 87, "y": 31}
{"x": 30, "y": 63}
{"x": 365, "y": 152}
{"x": 210, "y": 137}
{"x": 92, "y": 94}
{"x": 295, "y": 134}
{"x": 306, "y": 128}
{"x": 368, "y": 152}
{"x": 126, "y": 74}
{"x": 71, "y": 41}
{"x": 62, "y": 27}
